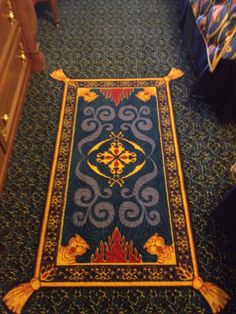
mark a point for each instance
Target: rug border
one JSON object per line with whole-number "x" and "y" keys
{"x": 182, "y": 183}
{"x": 50, "y": 186}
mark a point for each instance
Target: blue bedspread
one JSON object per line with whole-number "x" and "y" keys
{"x": 216, "y": 21}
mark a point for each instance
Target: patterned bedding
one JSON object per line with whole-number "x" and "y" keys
{"x": 216, "y": 20}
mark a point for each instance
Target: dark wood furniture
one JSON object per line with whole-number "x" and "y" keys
{"x": 19, "y": 57}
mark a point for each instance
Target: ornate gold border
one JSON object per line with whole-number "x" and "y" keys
{"x": 182, "y": 186}
{"x": 50, "y": 187}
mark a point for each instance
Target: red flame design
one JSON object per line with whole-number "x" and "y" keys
{"x": 116, "y": 94}
{"x": 117, "y": 250}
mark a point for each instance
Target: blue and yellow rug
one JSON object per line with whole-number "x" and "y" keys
{"x": 116, "y": 213}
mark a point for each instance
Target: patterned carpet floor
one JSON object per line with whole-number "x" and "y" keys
{"x": 111, "y": 39}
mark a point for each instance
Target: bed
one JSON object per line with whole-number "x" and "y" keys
{"x": 209, "y": 31}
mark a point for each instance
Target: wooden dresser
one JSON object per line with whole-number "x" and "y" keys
{"x": 19, "y": 57}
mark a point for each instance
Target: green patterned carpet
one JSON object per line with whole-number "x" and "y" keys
{"x": 110, "y": 39}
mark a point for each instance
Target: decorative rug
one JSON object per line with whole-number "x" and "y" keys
{"x": 116, "y": 213}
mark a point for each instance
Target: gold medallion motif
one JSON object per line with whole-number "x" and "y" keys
{"x": 116, "y": 158}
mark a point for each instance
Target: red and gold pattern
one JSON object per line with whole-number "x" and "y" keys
{"x": 116, "y": 94}
{"x": 117, "y": 250}
{"x": 116, "y": 158}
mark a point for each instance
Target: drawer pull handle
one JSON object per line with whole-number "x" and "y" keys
{"x": 22, "y": 55}
{"x": 5, "y": 118}
{"x": 3, "y": 129}
{"x": 11, "y": 16}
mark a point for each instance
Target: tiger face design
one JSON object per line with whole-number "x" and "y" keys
{"x": 165, "y": 254}
{"x": 67, "y": 255}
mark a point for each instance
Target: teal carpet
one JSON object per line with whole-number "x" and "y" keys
{"x": 111, "y": 39}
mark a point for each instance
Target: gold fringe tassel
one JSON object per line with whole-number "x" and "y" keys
{"x": 216, "y": 297}
{"x": 174, "y": 74}
{"x": 59, "y": 75}
{"x": 16, "y": 298}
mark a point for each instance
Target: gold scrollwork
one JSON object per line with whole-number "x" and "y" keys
{"x": 77, "y": 274}
{"x": 48, "y": 272}
{"x": 155, "y": 273}
{"x": 50, "y": 246}
{"x": 185, "y": 272}
{"x": 129, "y": 273}
{"x": 103, "y": 273}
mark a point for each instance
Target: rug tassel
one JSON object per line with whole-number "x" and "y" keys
{"x": 216, "y": 297}
{"x": 59, "y": 75}
{"x": 174, "y": 74}
{"x": 16, "y": 298}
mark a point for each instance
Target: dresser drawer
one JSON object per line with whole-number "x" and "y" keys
{"x": 13, "y": 78}
{"x": 8, "y": 24}
{"x": 2, "y": 153}
{"x": 4, "y": 157}
{"x": 2, "y": 161}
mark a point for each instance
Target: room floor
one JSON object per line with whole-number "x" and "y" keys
{"x": 116, "y": 39}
